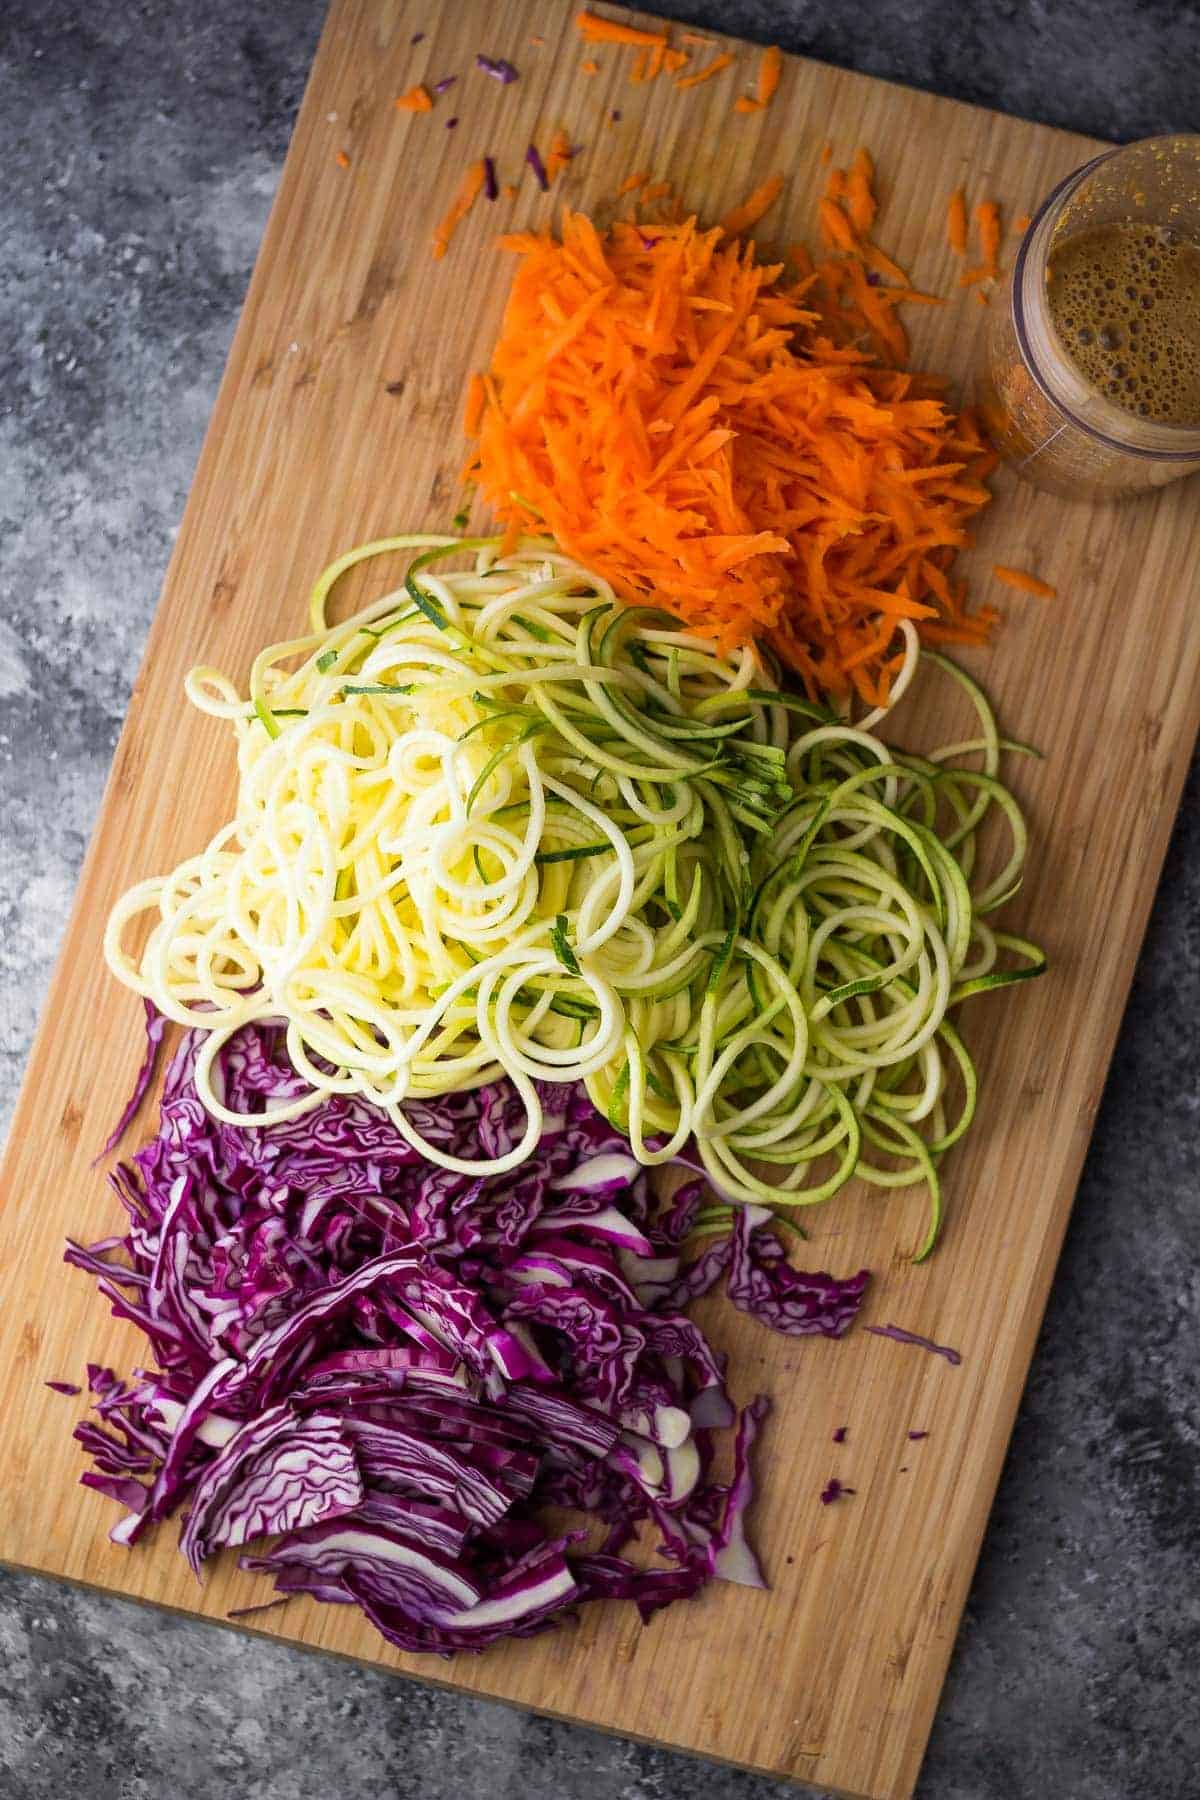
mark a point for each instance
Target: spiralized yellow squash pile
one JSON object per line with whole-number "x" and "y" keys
{"x": 497, "y": 823}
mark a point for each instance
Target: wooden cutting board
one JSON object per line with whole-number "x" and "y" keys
{"x": 338, "y": 420}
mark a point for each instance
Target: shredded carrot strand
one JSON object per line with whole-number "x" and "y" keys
{"x": 827, "y": 153}
{"x": 641, "y": 63}
{"x": 607, "y": 31}
{"x": 956, "y": 222}
{"x": 657, "y": 190}
{"x": 1021, "y": 224}
{"x": 769, "y": 71}
{"x": 674, "y": 60}
{"x": 882, "y": 264}
{"x": 559, "y": 155}
{"x": 632, "y": 182}
{"x": 860, "y": 195}
{"x": 1024, "y": 582}
{"x": 753, "y": 207}
{"x": 417, "y": 99}
{"x": 702, "y": 433}
{"x": 981, "y": 298}
{"x": 987, "y": 217}
{"x": 589, "y": 66}
{"x": 470, "y": 188}
{"x": 342, "y": 160}
{"x": 707, "y": 72}
{"x": 476, "y": 401}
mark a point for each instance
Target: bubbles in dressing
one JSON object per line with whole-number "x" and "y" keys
{"x": 1124, "y": 299}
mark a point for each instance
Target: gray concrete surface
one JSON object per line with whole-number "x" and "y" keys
{"x": 140, "y": 145}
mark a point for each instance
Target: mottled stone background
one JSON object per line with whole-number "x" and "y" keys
{"x": 140, "y": 145}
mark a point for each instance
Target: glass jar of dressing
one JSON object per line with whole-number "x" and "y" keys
{"x": 1092, "y": 382}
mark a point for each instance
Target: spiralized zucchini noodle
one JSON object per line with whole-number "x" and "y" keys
{"x": 498, "y": 823}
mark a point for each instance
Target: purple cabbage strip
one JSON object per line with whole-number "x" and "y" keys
{"x": 913, "y": 1337}
{"x": 386, "y": 1371}
{"x": 156, "y": 1024}
{"x": 497, "y": 68}
{"x": 539, "y": 168}
{"x": 447, "y": 81}
{"x": 491, "y": 186}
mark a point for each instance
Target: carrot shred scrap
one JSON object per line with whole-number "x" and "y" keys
{"x": 1024, "y": 582}
{"x": 589, "y": 66}
{"x": 418, "y": 99}
{"x": 658, "y": 190}
{"x": 860, "y": 194}
{"x": 695, "y": 37}
{"x": 342, "y": 160}
{"x": 981, "y": 298}
{"x": 770, "y": 68}
{"x": 1021, "y": 224}
{"x": 509, "y": 191}
{"x": 826, "y": 152}
{"x": 559, "y": 154}
{"x": 640, "y": 64}
{"x": 628, "y": 367}
{"x": 469, "y": 190}
{"x": 987, "y": 218}
{"x": 753, "y": 207}
{"x": 980, "y": 272}
{"x": 882, "y": 264}
{"x": 674, "y": 60}
{"x": 956, "y": 222}
{"x": 476, "y": 401}
{"x": 632, "y": 182}
{"x": 596, "y": 30}
{"x": 710, "y": 69}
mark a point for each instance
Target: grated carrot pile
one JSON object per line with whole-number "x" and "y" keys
{"x": 680, "y": 419}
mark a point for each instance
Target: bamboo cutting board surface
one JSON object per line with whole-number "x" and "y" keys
{"x": 338, "y": 420}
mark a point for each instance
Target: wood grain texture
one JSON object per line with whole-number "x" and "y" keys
{"x": 338, "y": 419}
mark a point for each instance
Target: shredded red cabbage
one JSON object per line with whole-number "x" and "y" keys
{"x": 156, "y": 1024}
{"x": 497, "y": 68}
{"x": 761, "y": 1280}
{"x": 916, "y": 1436}
{"x": 451, "y": 123}
{"x": 387, "y": 1370}
{"x": 839, "y": 1436}
{"x": 539, "y": 168}
{"x": 834, "y": 1490}
{"x": 447, "y": 81}
{"x": 913, "y": 1337}
{"x": 491, "y": 186}
{"x": 64, "y": 1387}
